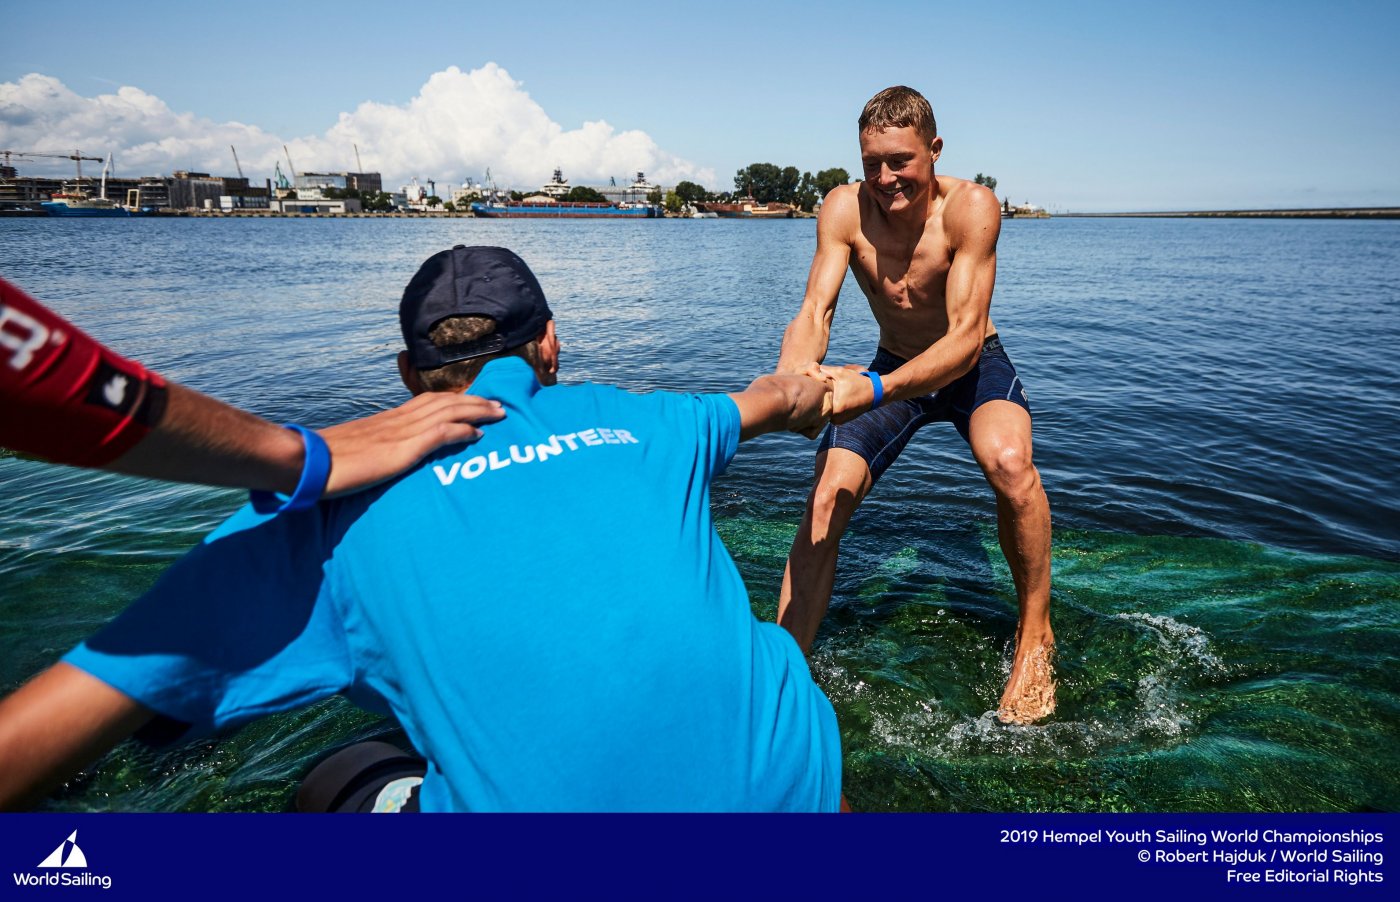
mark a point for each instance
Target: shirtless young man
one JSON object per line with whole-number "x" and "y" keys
{"x": 923, "y": 249}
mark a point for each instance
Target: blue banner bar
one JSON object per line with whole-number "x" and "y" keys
{"x": 1149, "y": 856}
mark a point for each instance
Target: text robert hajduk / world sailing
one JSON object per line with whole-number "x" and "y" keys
{"x": 1259, "y": 856}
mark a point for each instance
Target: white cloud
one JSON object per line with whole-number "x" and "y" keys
{"x": 460, "y": 124}
{"x": 146, "y": 137}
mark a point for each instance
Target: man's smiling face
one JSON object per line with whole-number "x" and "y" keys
{"x": 898, "y": 166}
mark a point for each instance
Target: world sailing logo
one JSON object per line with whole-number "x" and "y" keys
{"x": 65, "y": 866}
{"x": 67, "y": 855}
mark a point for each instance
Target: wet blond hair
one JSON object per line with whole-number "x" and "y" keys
{"x": 899, "y": 107}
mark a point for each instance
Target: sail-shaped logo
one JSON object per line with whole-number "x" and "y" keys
{"x": 67, "y": 855}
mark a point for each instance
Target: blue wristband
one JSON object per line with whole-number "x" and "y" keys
{"x": 877, "y": 385}
{"x": 315, "y": 470}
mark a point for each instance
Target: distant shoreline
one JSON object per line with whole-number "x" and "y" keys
{"x": 277, "y": 214}
{"x": 1319, "y": 213}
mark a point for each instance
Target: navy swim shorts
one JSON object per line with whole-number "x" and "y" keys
{"x": 879, "y": 435}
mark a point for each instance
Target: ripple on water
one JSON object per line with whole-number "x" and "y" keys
{"x": 1156, "y": 708}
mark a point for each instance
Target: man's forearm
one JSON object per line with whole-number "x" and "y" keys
{"x": 55, "y": 725}
{"x": 779, "y": 403}
{"x": 804, "y": 341}
{"x": 201, "y": 439}
{"x": 945, "y": 361}
{"x": 853, "y": 394}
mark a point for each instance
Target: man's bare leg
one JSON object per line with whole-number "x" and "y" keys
{"x": 1000, "y": 436}
{"x": 842, "y": 481}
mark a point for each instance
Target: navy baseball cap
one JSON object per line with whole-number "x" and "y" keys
{"x": 471, "y": 281}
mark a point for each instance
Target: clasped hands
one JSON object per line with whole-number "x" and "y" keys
{"x": 849, "y": 393}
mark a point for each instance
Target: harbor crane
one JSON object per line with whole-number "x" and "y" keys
{"x": 106, "y": 167}
{"x": 236, "y": 164}
{"x": 76, "y": 156}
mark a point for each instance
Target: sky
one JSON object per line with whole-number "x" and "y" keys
{"x": 1087, "y": 107}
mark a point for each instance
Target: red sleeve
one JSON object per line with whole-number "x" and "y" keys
{"x": 63, "y": 396}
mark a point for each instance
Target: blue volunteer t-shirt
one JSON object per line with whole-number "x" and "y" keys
{"x": 549, "y": 613}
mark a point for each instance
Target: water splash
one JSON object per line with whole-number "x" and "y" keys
{"x": 1175, "y": 659}
{"x": 1187, "y": 640}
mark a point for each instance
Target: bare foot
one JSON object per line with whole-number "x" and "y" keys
{"x": 1030, "y": 693}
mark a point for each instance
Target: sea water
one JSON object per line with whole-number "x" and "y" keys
{"x": 1216, "y": 425}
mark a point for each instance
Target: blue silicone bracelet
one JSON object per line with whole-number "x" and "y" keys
{"x": 877, "y": 385}
{"x": 315, "y": 470}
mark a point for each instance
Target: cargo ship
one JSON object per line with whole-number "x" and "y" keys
{"x": 547, "y": 205}
{"x": 78, "y": 202}
{"x": 527, "y": 209}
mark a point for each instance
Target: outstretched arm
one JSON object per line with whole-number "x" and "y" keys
{"x": 55, "y": 725}
{"x": 805, "y": 341}
{"x": 69, "y": 399}
{"x": 783, "y": 403}
{"x": 201, "y": 439}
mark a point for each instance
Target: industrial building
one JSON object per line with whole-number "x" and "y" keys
{"x": 312, "y": 185}
{"x": 183, "y": 190}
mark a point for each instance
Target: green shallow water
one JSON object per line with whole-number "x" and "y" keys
{"x": 1195, "y": 675}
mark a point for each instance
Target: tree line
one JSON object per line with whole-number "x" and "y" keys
{"x": 769, "y": 183}
{"x": 766, "y": 183}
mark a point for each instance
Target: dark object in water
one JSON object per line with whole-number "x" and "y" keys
{"x": 363, "y": 778}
